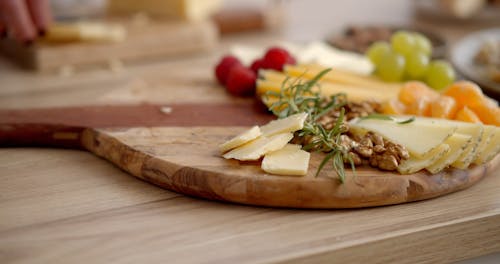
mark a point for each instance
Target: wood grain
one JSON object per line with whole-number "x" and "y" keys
{"x": 186, "y": 160}
{"x": 89, "y": 210}
{"x": 150, "y": 40}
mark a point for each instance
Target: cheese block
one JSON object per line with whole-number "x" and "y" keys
{"x": 418, "y": 138}
{"x": 241, "y": 139}
{"x": 491, "y": 149}
{"x": 457, "y": 143}
{"x": 190, "y": 10}
{"x": 290, "y": 160}
{"x": 414, "y": 164}
{"x": 84, "y": 31}
{"x": 257, "y": 148}
{"x": 489, "y": 132}
{"x": 289, "y": 124}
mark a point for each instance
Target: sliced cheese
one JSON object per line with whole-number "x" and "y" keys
{"x": 85, "y": 31}
{"x": 414, "y": 164}
{"x": 284, "y": 125}
{"x": 241, "y": 139}
{"x": 491, "y": 150}
{"x": 290, "y": 160}
{"x": 418, "y": 138}
{"x": 257, "y": 148}
{"x": 489, "y": 133}
{"x": 476, "y": 131}
{"x": 457, "y": 143}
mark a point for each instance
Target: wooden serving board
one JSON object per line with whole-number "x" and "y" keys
{"x": 185, "y": 158}
{"x": 149, "y": 40}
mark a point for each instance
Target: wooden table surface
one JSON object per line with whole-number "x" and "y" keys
{"x": 67, "y": 206}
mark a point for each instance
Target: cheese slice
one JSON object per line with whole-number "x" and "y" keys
{"x": 289, "y": 124}
{"x": 491, "y": 150}
{"x": 418, "y": 138}
{"x": 290, "y": 160}
{"x": 414, "y": 164}
{"x": 457, "y": 143}
{"x": 85, "y": 31}
{"x": 241, "y": 139}
{"x": 257, "y": 148}
{"x": 489, "y": 133}
{"x": 476, "y": 131}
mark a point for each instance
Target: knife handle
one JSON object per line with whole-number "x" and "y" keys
{"x": 40, "y": 135}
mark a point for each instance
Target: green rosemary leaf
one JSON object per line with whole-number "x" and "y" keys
{"x": 409, "y": 120}
{"x": 388, "y": 118}
{"x": 377, "y": 116}
{"x": 338, "y": 164}
{"x": 325, "y": 160}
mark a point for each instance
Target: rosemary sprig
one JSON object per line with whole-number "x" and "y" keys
{"x": 388, "y": 118}
{"x": 304, "y": 96}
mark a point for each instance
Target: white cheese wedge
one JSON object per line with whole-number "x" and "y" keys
{"x": 491, "y": 150}
{"x": 472, "y": 129}
{"x": 414, "y": 164}
{"x": 257, "y": 148}
{"x": 418, "y": 138}
{"x": 284, "y": 125}
{"x": 476, "y": 131}
{"x": 290, "y": 160}
{"x": 241, "y": 139}
{"x": 457, "y": 143}
{"x": 489, "y": 132}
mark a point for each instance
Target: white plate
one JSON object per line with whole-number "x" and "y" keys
{"x": 462, "y": 57}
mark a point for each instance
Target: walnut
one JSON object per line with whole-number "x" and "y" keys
{"x": 365, "y": 148}
{"x": 384, "y": 162}
{"x": 378, "y": 149}
{"x": 356, "y": 159}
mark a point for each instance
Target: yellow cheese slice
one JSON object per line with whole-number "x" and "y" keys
{"x": 492, "y": 148}
{"x": 476, "y": 131}
{"x": 418, "y": 138}
{"x": 457, "y": 143}
{"x": 290, "y": 160}
{"x": 85, "y": 31}
{"x": 289, "y": 124}
{"x": 255, "y": 149}
{"x": 241, "y": 139}
{"x": 414, "y": 164}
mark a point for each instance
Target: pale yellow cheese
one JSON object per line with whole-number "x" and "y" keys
{"x": 290, "y": 160}
{"x": 457, "y": 143}
{"x": 472, "y": 129}
{"x": 414, "y": 164}
{"x": 85, "y": 31}
{"x": 418, "y": 138}
{"x": 488, "y": 134}
{"x": 191, "y": 10}
{"x": 240, "y": 139}
{"x": 255, "y": 149}
{"x": 491, "y": 150}
{"x": 289, "y": 124}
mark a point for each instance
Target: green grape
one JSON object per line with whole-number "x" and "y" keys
{"x": 440, "y": 74}
{"x": 416, "y": 65}
{"x": 423, "y": 44}
{"x": 403, "y": 42}
{"x": 391, "y": 67}
{"x": 377, "y": 51}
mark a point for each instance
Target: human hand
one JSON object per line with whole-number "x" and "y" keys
{"x": 24, "y": 19}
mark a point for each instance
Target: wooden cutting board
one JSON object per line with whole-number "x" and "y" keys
{"x": 152, "y": 39}
{"x": 177, "y": 150}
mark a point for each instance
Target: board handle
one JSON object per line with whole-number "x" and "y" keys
{"x": 40, "y": 135}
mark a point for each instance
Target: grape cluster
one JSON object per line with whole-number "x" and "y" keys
{"x": 407, "y": 57}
